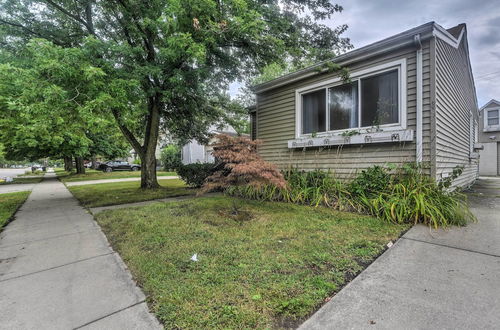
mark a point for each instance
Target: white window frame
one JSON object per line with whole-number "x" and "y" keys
{"x": 356, "y": 75}
{"x": 491, "y": 127}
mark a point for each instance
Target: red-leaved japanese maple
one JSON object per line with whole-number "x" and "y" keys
{"x": 240, "y": 164}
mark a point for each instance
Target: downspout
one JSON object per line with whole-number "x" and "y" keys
{"x": 419, "y": 116}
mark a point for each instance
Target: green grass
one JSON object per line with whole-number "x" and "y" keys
{"x": 269, "y": 266}
{"x": 23, "y": 180}
{"x": 127, "y": 192}
{"x": 9, "y": 203}
{"x": 99, "y": 175}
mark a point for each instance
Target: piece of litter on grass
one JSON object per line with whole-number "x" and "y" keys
{"x": 389, "y": 245}
{"x": 194, "y": 257}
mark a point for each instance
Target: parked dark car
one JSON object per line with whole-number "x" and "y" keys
{"x": 117, "y": 165}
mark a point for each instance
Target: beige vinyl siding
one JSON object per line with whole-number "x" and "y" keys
{"x": 455, "y": 103}
{"x": 276, "y": 125}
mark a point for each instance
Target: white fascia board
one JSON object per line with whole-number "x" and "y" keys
{"x": 387, "y": 45}
{"x": 446, "y": 36}
{"x": 493, "y": 101}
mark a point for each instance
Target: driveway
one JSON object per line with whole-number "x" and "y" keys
{"x": 12, "y": 172}
{"x": 445, "y": 279}
{"x": 57, "y": 270}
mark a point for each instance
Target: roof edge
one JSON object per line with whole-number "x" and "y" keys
{"x": 489, "y": 103}
{"x": 400, "y": 40}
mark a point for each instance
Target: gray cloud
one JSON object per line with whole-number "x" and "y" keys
{"x": 370, "y": 21}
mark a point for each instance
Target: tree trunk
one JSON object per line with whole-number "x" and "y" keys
{"x": 80, "y": 169}
{"x": 68, "y": 164}
{"x": 148, "y": 157}
{"x": 93, "y": 159}
{"x": 148, "y": 171}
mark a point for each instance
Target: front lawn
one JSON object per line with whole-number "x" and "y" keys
{"x": 269, "y": 266}
{"x": 100, "y": 175}
{"x": 9, "y": 203}
{"x": 23, "y": 180}
{"x": 127, "y": 192}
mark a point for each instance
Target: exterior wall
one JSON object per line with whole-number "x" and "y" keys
{"x": 193, "y": 152}
{"x": 276, "y": 125}
{"x": 455, "y": 109}
{"x": 491, "y": 136}
{"x": 488, "y": 161}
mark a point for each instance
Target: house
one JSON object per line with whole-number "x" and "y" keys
{"x": 410, "y": 98}
{"x": 196, "y": 152}
{"x": 489, "y": 138}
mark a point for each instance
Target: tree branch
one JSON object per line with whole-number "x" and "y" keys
{"x": 88, "y": 26}
{"x": 127, "y": 133}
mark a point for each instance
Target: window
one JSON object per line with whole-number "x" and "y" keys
{"x": 493, "y": 118}
{"x": 379, "y": 99}
{"x": 343, "y": 104}
{"x": 253, "y": 125}
{"x": 313, "y": 112}
{"x": 372, "y": 99}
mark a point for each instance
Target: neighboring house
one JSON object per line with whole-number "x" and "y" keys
{"x": 195, "y": 152}
{"x": 489, "y": 137}
{"x": 411, "y": 99}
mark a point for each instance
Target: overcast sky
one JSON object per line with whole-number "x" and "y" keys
{"x": 370, "y": 21}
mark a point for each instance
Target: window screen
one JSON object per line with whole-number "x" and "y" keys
{"x": 343, "y": 105}
{"x": 379, "y": 99}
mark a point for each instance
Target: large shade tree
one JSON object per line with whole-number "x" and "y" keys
{"x": 183, "y": 53}
{"x": 48, "y": 106}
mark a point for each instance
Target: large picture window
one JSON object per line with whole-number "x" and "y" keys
{"x": 370, "y": 100}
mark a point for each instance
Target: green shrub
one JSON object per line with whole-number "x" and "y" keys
{"x": 170, "y": 157}
{"x": 309, "y": 188}
{"x": 370, "y": 182}
{"x": 405, "y": 196}
{"x": 195, "y": 174}
{"x": 415, "y": 197}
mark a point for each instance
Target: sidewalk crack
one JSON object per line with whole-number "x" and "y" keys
{"x": 452, "y": 247}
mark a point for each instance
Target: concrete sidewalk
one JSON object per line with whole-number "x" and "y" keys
{"x": 57, "y": 270}
{"x": 84, "y": 183}
{"x": 445, "y": 279}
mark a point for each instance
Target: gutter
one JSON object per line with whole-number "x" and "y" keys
{"x": 404, "y": 39}
{"x": 419, "y": 130}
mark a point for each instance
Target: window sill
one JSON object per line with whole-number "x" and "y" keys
{"x": 363, "y": 138}
{"x": 491, "y": 129}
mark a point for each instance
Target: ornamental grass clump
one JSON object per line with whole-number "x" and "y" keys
{"x": 312, "y": 188}
{"x": 414, "y": 197}
{"x": 396, "y": 194}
